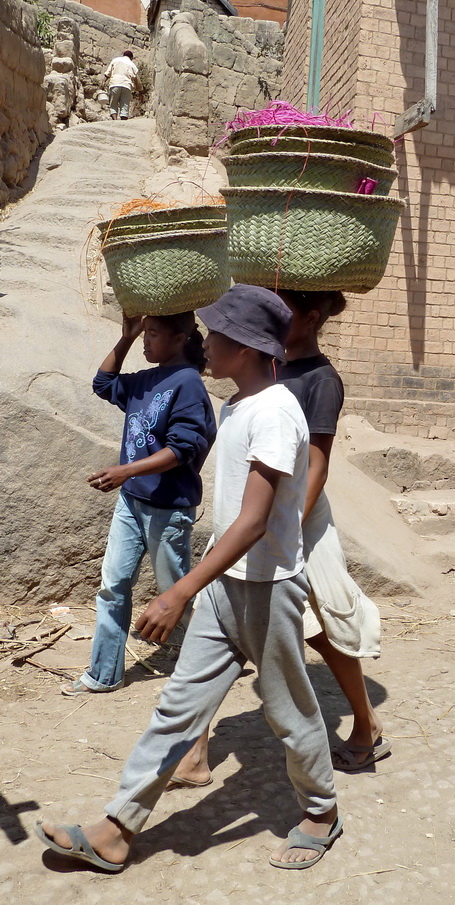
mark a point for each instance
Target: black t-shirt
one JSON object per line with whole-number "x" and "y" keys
{"x": 319, "y": 390}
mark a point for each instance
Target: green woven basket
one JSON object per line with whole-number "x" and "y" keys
{"x": 367, "y": 153}
{"x": 333, "y": 133}
{"x": 312, "y": 171}
{"x": 170, "y": 272}
{"x": 310, "y": 240}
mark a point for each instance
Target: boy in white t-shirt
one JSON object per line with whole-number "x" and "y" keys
{"x": 251, "y": 605}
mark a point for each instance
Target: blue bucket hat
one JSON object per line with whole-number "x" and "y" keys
{"x": 251, "y": 315}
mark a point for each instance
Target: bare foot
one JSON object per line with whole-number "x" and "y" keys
{"x": 108, "y": 838}
{"x": 314, "y": 826}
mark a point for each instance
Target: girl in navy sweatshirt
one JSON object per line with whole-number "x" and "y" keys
{"x": 169, "y": 429}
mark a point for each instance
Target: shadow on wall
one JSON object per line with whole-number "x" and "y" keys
{"x": 29, "y": 182}
{"x": 435, "y": 158}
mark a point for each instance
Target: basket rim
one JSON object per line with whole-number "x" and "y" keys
{"x": 149, "y": 229}
{"x": 309, "y": 139}
{"x": 104, "y": 224}
{"x": 237, "y": 159}
{"x": 273, "y": 129}
{"x": 118, "y": 242}
{"x": 323, "y": 193}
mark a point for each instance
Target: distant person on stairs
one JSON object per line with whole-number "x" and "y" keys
{"x": 123, "y": 76}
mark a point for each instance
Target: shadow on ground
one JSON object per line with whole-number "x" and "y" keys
{"x": 257, "y": 797}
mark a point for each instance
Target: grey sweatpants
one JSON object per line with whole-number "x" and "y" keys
{"x": 119, "y": 101}
{"x": 235, "y": 621}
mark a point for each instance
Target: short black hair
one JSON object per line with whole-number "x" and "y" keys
{"x": 128, "y": 53}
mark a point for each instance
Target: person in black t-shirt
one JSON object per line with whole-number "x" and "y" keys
{"x": 342, "y": 624}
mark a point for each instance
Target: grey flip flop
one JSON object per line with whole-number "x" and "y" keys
{"x": 178, "y": 782}
{"x": 346, "y": 759}
{"x": 81, "y": 848}
{"x": 78, "y": 687}
{"x": 297, "y": 839}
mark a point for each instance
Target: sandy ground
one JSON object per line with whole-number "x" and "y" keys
{"x": 62, "y": 757}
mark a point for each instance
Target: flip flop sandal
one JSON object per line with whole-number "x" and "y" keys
{"x": 343, "y": 757}
{"x": 176, "y": 782}
{"x": 297, "y": 839}
{"x": 78, "y": 687}
{"x": 81, "y": 848}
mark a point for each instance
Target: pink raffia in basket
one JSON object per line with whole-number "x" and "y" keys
{"x": 280, "y": 113}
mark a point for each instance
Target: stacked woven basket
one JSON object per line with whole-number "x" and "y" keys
{"x": 297, "y": 213}
{"x": 168, "y": 260}
{"x": 307, "y": 208}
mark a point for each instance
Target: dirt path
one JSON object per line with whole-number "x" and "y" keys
{"x": 210, "y": 847}
{"x": 63, "y": 756}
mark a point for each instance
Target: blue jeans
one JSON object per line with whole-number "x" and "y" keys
{"x": 136, "y": 527}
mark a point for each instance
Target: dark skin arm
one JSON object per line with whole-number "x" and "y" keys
{"x": 114, "y": 476}
{"x": 162, "y": 614}
{"x": 318, "y": 468}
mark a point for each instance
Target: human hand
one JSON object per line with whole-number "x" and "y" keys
{"x": 108, "y": 478}
{"x": 132, "y": 326}
{"x": 161, "y": 616}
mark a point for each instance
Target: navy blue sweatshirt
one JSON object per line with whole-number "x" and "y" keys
{"x": 164, "y": 406}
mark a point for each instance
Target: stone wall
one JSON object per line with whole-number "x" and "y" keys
{"x": 207, "y": 68}
{"x": 23, "y": 121}
{"x": 100, "y": 38}
{"x": 395, "y": 346}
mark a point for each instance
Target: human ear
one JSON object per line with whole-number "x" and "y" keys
{"x": 313, "y": 317}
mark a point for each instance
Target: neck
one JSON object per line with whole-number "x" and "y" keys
{"x": 173, "y": 362}
{"x": 303, "y": 348}
{"x": 252, "y": 381}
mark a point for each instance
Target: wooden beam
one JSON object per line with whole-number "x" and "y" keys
{"x": 415, "y": 117}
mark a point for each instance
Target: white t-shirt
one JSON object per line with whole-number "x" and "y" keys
{"x": 122, "y": 72}
{"x": 268, "y": 427}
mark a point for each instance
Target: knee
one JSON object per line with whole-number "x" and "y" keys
{"x": 320, "y": 643}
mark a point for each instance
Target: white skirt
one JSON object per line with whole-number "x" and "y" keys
{"x": 337, "y": 604}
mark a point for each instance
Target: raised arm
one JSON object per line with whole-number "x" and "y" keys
{"x": 132, "y": 328}
{"x": 162, "y": 614}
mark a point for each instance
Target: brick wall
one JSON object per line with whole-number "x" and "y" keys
{"x": 272, "y": 10}
{"x": 297, "y": 53}
{"x": 127, "y": 10}
{"x": 341, "y": 52}
{"x": 395, "y": 346}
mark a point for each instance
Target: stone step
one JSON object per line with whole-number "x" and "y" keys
{"x": 428, "y": 512}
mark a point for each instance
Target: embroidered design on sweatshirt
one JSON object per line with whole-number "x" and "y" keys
{"x": 142, "y": 423}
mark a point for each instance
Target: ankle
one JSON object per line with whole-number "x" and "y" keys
{"x": 118, "y": 830}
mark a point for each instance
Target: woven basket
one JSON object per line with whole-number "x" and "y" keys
{"x": 310, "y": 239}
{"x": 312, "y": 171}
{"x": 170, "y": 272}
{"x": 367, "y": 153}
{"x": 333, "y": 133}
